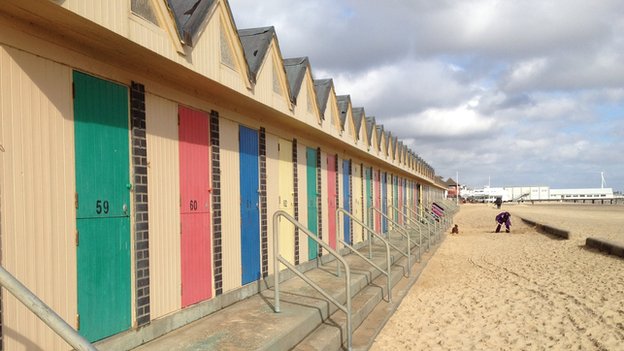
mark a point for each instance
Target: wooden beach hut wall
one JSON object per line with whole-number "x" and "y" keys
{"x": 198, "y": 117}
{"x": 350, "y": 183}
{"x": 301, "y": 85}
{"x": 361, "y": 141}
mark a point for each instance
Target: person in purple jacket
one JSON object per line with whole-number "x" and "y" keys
{"x": 503, "y": 217}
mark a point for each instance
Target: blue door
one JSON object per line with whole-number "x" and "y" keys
{"x": 250, "y": 214}
{"x": 384, "y": 202}
{"x": 346, "y": 175}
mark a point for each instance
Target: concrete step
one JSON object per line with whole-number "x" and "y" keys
{"x": 369, "y": 311}
{"x": 251, "y": 324}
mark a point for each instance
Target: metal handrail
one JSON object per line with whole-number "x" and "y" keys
{"x": 279, "y": 258}
{"x": 370, "y": 252}
{"x": 432, "y": 219}
{"x": 405, "y": 219}
{"x": 44, "y": 312}
{"x": 445, "y": 217}
{"x": 426, "y": 216}
{"x": 404, "y": 233}
{"x": 429, "y": 231}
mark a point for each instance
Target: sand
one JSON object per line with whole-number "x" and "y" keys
{"x": 518, "y": 291}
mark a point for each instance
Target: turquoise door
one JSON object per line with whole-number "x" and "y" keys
{"x": 369, "y": 193}
{"x": 102, "y": 206}
{"x": 250, "y": 200}
{"x": 312, "y": 201}
{"x": 346, "y": 198}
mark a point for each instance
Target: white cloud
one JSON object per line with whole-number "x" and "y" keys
{"x": 527, "y": 92}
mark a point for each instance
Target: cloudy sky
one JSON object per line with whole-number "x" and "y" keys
{"x": 507, "y": 92}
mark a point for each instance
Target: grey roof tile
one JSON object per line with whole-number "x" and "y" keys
{"x": 295, "y": 72}
{"x": 370, "y": 125}
{"x": 343, "y": 107}
{"x": 322, "y": 88}
{"x": 189, "y": 16}
{"x": 256, "y": 43}
{"x": 358, "y": 117}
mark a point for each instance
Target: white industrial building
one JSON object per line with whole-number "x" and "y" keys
{"x": 536, "y": 193}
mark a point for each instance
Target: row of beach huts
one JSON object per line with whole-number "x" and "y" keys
{"x": 146, "y": 144}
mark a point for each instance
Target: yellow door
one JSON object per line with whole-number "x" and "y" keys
{"x": 286, "y": 200}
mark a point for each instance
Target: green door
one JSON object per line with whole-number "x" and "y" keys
{"x": 102, "y": 206}
{"x": 312, "y": 202}
{"x": 368, "y": 173}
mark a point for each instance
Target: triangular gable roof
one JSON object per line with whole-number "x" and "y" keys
{"x": 295, "y": 72}
{"x": 256, "y": 42}
{"x": 388, "y": 142}
{"x": 322, "y": 87}
{"x": 358, "y": 117}
{"x": 343, "y": 107}
{"x": 395, "y": 146}
{"x": 381, "y": 134}
{"x": 370, "y": 128}
{"x": 399, "y": 151}
{"x": 189, "y": 16}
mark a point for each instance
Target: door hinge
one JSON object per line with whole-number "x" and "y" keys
{"x": 76, "y": 200}
{"x": 73, "y": 90}
{"x": 77, "y": 238}
{"x": 77, "y": 321}
{"x": 178, "y": 119}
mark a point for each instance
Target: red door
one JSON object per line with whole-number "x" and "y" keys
{"x": 195, "y": 206}
{"x": 331, "y": 199}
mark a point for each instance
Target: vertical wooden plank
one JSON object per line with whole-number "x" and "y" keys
{"x": 38, "y": 186}
{"x": 331, "y": 200}
{"x": 164, "y": 202}
{"x": 286, "y": 200}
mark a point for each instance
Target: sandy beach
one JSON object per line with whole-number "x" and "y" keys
{"x": 517, "y": 291}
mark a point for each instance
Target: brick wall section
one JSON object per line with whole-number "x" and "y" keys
{"x": 216, "y": 202}
{"x": 264, "y": 240}
{"x": 319, "y": 198}
{"x": 141, "y": 225}
{"x": 295, "y": 198}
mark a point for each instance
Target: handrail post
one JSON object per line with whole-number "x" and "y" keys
{"x": 277, "y": 257}
{"x": 44, "y": 312}
{"x": 276, "y": 263}
{"x": 419, "y": 220}
{"x": 369, "y": 231}
{"x": 406, "y": 234}
{"x": 402, "y": 213}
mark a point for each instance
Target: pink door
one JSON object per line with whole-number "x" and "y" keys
{"x": 195, "y": 206}
{"x": 377, "y": 202}
{"x": 331, "y": 199}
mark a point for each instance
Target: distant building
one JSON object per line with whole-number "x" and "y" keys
{"x": 537, "y": 193}
{"x": 581, "y": 194}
